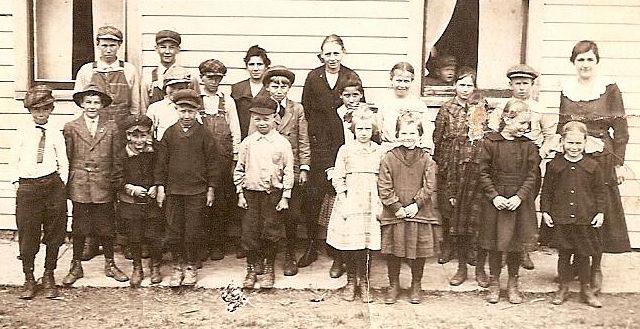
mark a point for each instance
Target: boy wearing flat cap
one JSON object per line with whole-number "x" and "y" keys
{"x": 39, "y": 169}
{"x": 118, "y": 79}
{"x": 264, "y": 189}
{"x": 94, "y": 148}
{"x": 167, "y": 46}
{"x": 186, "y": 173}
{"x": 291, "y": 123}
{"x": 220, "y": 118}
{"x": 164, "y": 113}
{"x": 137, "y": 205}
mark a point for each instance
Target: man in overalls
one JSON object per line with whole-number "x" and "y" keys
{"x": 120, "y": 81}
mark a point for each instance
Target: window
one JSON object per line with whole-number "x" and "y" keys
{"x": 63, "y": 36}
{"x": 485, "y": 35}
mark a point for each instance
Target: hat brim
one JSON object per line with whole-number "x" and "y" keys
{"x": 43, "y": 103}
{"x": 142, "y": 128}
{"x": 77, "y": 97}
{"x": 174, "y": 81}
{"x": 188, "y": 102}
{"x": 161, "y": 40}
{"x": 262, "y": 110}
{"x": 278, "y": 72}
{"x": 522, "y": 75}
{"x": 109, "y": 37}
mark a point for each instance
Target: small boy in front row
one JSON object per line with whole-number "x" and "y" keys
{"x": 40, "y": 168}
{"x": 137, "y": 206}
{"x": 186, "y": 172}
{"x": 94, "y": 149}
{"x": 264, "y": 189}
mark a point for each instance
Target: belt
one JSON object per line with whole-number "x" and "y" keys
{"x": 41, "y": 179}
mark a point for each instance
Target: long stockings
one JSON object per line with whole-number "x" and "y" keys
{"x": 417, "y": 268}
{"x": 495, "y": 263}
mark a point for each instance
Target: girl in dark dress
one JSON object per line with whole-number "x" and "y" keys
{"x": 509, "y": 171}
{"x": 573, "y": 201}
{"x": 320, "y": 99}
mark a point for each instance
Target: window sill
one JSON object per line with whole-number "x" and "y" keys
{"x": 436, "y": 99}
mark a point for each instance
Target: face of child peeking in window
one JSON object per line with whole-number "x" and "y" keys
{"x": 278, "y": 90}
{"x": 187, "y": 115}
{"x": 108, "y": 50}
{"x": 363, "y": 130}
{"x": 351, "y": 97}
{"x": 517, "y": 126}
{"x": 41, "y": 114}
{"x": 408, "y": 135}
{"x": 401, "y": 82}
{"x": 331, "y": 55}
{"x": 447, "y": 73}
{"x": 91, "y": 105}
{"x": 573, "y": 143}
{"x": 264, "y": 122}
{"x": 464, "y": 88}
{"x": 256, "y": 67}
{"x": 138, "y": 139}
{"x": 521, "y": 88}
{"x": 211, "y": 82}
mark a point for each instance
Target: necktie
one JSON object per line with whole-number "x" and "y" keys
{"x": 280, "y": 110}
{"x": 40, "y": 154}
{"x": 92, "y": 130}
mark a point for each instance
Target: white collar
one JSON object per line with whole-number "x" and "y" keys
{"x": 571, "y": 88}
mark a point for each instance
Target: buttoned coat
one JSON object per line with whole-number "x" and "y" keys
{"x": 293, "y": 126}
{"x": 241, "y": 94}
{"x": 95, "y": 163}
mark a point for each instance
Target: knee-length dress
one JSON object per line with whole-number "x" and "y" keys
{"x": 458, "y": 141}
{"x": 408, "y": 176}
{"x": 354, "y": 222}
{"x": 602, "y": 112}
{"x": 508, "y": 168}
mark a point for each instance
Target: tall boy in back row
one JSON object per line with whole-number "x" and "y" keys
{"x": 39, "y": 169}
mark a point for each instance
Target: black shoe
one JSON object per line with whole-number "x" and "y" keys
{"x": 137, "y": 275}
{"x": 49, "y": 284}
{"x": 75, "y": 273}
{"x": 337, "y": 269}
{"x": 156, "y": 276}
{"x": 415, "y": 293}
{"x": 111, "y": 270}
{"x": 215, "y": 253}
{"x": 290, "y": 264}
{"x": 310, "y": 255}
{"x": 29, "y": 288}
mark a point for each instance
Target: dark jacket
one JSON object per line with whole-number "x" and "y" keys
{"x": 241, "y": 94}
{"x": 186, "y": 161}
{"x": 573, "y": 192}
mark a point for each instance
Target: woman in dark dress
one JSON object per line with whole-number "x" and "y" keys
{"x": 320, "y": 99}
{"x": 597, "y": 102}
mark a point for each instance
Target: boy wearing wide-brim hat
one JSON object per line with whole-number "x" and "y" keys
{"x": 39, "y": 170}
{"x": 264, "y": 189}
{"x": 163, "y": 113}
{"x": 186, "y": 173}
{"x": 117, "y": 78}
{"x": 94, "y": 148}
{"x": 167, "y": 47}
{"x": 137, "y": 205}
{"x": 291, "y": 124}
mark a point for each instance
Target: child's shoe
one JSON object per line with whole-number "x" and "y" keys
{"x": 190, "y": 276}
{"x": 112, "y": 271}
{"x": 137, "y": 275}
{"x": 596, "y": 280}
{"x": 29, "y": 288}
{"x": 49, "y": 284}
{"x": 156, "y": 276}
{"x": 527, "y": 263}
{"x": 365, "y": 290}
{"x": 494, "y": 289}
{"x": 75, "y": 273}
{"x": 337, "y": 269}
{"x": 561, "y": 296}
{"x": 349, "y": 292}
{"x": 393, "y": 291}
{"x": 290, "y": 264}
{"x": 515, "y": 297}
{"x": 481, "y": 277}
{"x": 176, "y": 276}
{"x": 269, "y": 277}
{"x": 587, "y": 296}
{"x": 250, "y": 278}
{"x": 415, "y": 292}
{"x": 461, "y": 274}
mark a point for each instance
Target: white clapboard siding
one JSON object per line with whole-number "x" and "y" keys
{"x": 614, "y": 26}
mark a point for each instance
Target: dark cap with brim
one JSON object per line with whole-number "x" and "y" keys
{"x": 90, "y": 90}
{"x": 278, "y": 70}
{"x": 187, "y": 97}
{"x": 263, "y": 105}
{"x": 137, "y": 122}
{"x": 38, "y": 96}
{"x": 168, "y": 35}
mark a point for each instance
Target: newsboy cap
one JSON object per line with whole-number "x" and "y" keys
{"x": 176, "y": 75}
{"x": 276, "y": 71}
{"x": 109, "y": 32}
{"x": 263, "y": 105}
{"x": 38, "y": 96}
{"x": 212, "y": 67}
{"x": 168, "y": 35}
{"x": 187, "y": 97}
{"x": 137, "y": 122}
{"x": 522, "y": 71}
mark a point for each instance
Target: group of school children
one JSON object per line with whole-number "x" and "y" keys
{"x": 172, "y": 179}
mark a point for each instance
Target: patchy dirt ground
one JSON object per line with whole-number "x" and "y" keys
{"x": 165, "y": 308}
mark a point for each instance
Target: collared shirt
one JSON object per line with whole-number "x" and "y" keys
{"x": 92, "y": 124}
{"x": 255, "y": 172}
{"x": 86, "y": 72}
{"x": 391, "y": 107}
{"x": 164, "y": 114}
{"x": 23, "y": 161}
{"x": 148, "y": 84}
{"x": 210, "y": 104}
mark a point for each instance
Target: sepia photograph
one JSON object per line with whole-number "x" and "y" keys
{"x": 319, "y": 164}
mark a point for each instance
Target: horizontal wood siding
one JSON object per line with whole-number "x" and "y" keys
{"x": 615, "y": 27}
